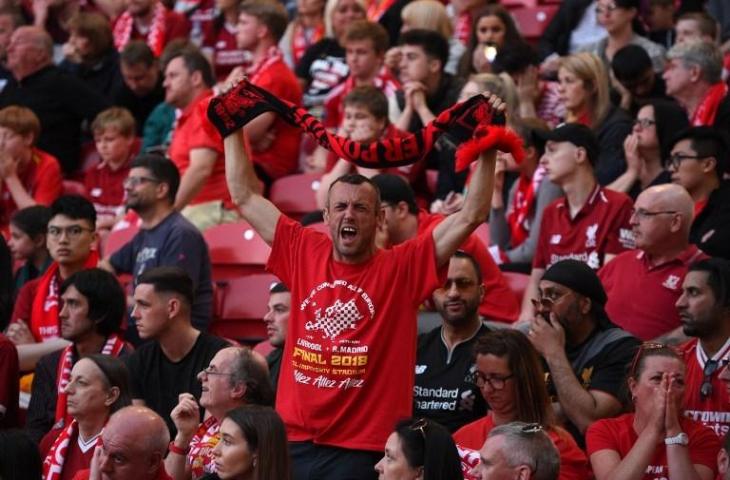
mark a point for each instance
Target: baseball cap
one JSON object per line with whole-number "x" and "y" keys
{"x": 577, "y": 134}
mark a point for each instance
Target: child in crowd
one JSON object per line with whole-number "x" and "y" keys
{"x": 365, "y": 120}
{"x": 28, "y": 243}
{"x": 114, "y": 133}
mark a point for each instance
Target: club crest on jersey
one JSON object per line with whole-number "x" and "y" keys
{"x": 420, "y": 369}
{"x": 671, "y": 282}
{"x": 555, "y": 239}
{"x": 591, "y": 232}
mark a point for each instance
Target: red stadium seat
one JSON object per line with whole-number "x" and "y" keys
{"x": 72, "y": 187}
{"x": 532, "y": 21}
{"x": 517, "y": 282}
{"x": 512, "y": 4}
{"x": 117, "y": 239}
{"x": 244, "y": 304}
{"x": 432, "y": 177}
{"x": 264, "y": 348}
{"x": 235, "y": 250}
{"x": 294, "y": 194}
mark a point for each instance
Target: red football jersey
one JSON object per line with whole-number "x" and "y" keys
{"x": 42, "y": 180}
{"x": 347, "y": 373}
{"x": 600, "y": 227}
{"x": 225, "y": 52}
{"x": 713, "y": 411}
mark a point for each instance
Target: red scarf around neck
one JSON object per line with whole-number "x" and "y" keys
{"x": 272, "y": 55}
{"x": 54, "y": 461}
{"x": 155, "y": 38}
{"x": 44, "y": 312}
{"x": 304, "y": 37}
{"x": 707, "y": 109}
{"x": 113, "y": 346}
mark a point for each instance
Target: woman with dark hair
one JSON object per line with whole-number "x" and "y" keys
{"x": 90, "y": 53}
{"x": 27, "y": 243}
{"x": 420, "y": 449}
{"x": 620, "y": 18}
{"x": 492, "y": 28}
{"x": 253, "y": 446}
{"x": 98, "y": 387}
{"x": 649, "y": 145}
{"x": 19, "y": 457}
{"x": 656, "y": 440}
{"x": 512, "y": 381}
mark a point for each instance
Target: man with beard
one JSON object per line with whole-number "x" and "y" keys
{"x": 585, "y": 353}
{"x": 445, "y": 389}
{"x": 704, "y": 311}
{"x": 165, "y": 238}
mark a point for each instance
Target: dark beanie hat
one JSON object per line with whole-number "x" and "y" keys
{"x": 579, "y": 277}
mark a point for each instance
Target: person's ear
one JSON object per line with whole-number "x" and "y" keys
{"x": 419, "y": 473}
{"x": 434, "y": 65}
{"x": 173, "y": 307}
{"x": 39, "y": 241}
{"x": 239, "y": 390}
{"x": 695, "y": 73}
{"x": 112, "y": 396}
{"x": 402, "y": 209}
{"x": 523, "y": 472}
{"x": 581, "y": 155}
{"x": 482, "y": 292}
{"x": 723, "y": 462}
{"x": 585, "y": 305}
{"x": 709, "y": 164}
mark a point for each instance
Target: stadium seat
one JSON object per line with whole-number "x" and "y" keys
{"x": 512, "y": 4}
{"x": 72, "y": 187}
{"x": 243, "y": 306}
{"x": 235, "y": 250}
{"x": 294, "y": 194}
{"x": 117, "y": 239}
{"x": 517, "y": 282}
{"x": 264, "y": 348}
{"x": 532, "y": 21}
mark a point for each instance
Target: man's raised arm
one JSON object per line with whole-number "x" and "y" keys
{"x": 243, "y": 184}
{"x": 454, "y": 230}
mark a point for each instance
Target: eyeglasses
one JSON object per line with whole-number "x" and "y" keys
{"x": 607, "y": 10}
{"x": 495, "y": 382}
{"x": 644, "y": 122}
{"x": 72, "y": 231}
{"x": 546, "y": 302}
{"x": 642, "y": 214}
{"x": 420, "y": 425}
{"x": 676, "y": 159}
{"x": 212, "y": 371}
{"x": 711, "y": 366}
{"x": 135, "y": 181}
{"x": 642, "y": 351}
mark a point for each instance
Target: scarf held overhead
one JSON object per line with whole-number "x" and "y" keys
{"x": 473, "y": 125}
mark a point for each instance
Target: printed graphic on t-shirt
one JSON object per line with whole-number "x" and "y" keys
{"x": 330, "y": 356}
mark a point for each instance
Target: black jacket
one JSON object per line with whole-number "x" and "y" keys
{"x": 711, "y": 229}
{"x": 556, "y": 37}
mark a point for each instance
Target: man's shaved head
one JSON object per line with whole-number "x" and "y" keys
{"x": 662, "y": 219}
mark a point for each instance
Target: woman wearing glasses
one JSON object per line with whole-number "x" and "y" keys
{"x": 656, "y": 441}
{"x": 512, "y": 381}
{"x": 647, "y": 149}
{"x": 419, "y": 449}
{"x": 253, "y": 446}
{"x": 98, "y": 386}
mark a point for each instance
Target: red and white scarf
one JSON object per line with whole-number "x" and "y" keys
{"x": 200, "y": 456}
{"x": 707, "y": 109}
{"x": 156, "y": 36}
{"x": 44, "y": 312}
{"x": 113, "y": 346}
{"x": 304, "y": 37}
{"x": 462, "y": 29}
{"x": 523, "y": 204}
{"x": 269, "y": 58}
{"x": 53, "y": 463}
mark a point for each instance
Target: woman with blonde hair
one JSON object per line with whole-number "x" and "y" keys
{"x": 584, "y": 90}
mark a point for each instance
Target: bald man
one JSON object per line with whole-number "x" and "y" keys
{"x": 52, "y": 94}
{"x": 644, "y": 284}
{"x": 134, "y": 444}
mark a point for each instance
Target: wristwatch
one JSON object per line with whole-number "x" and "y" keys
{"x": 679, "y": 439}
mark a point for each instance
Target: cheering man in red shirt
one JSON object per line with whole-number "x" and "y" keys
{"x": 344, "y": 380}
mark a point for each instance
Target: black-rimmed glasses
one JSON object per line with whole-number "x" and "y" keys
{"x": 495, "y": 382}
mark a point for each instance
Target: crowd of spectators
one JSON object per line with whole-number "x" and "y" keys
{"x": 560, "y": 311}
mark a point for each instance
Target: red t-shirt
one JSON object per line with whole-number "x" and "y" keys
{"x": 652, "y": 313}
{"x": 334, "y": 104}
{"x": 573, "y": 462}
{"x": 161, "y": 474}
{"x": 499, "y": 302}
{"x": 282, "y": 157}
{"x": 194, "y": 130}
{"x": 8, "y": 383}
{"x": 106, "y": 188}
{"x": 42, "y": 180}
{"x": 75, "y": 461}
{"x": 226, "y": 54}
{"x": 600, "y": 227}
{"x": 618, "y": 434}
{"x": 714, "y": 411}
{"x": 347, "y": 371}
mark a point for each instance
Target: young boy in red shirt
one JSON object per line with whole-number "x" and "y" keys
{"x": 114, "y": 134}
